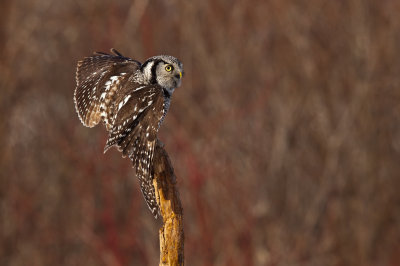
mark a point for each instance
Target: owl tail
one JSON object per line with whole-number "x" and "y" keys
{"x": 140, "y": 149}
{"x": 148, "y": 191}
{"x": 142, "y": 158}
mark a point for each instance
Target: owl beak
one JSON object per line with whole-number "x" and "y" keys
{"x": 180, "y": 75}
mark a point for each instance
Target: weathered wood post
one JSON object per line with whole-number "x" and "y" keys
{"x": 171, "y": 233}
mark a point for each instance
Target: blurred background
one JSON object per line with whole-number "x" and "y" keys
{"x": 285, "y": 135}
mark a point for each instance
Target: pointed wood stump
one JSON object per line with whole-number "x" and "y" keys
{"x": 171, "y": 233}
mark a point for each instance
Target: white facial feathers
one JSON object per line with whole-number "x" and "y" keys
{"x": 147, "y": 72}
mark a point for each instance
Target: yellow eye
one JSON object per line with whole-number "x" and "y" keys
{"x": 168, "y": 68}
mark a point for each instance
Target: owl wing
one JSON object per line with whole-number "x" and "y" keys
{"x": 134, "y": 132}
{"x": 97, "y": 79}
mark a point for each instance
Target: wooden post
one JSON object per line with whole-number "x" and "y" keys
{"x": 171, "y": 233}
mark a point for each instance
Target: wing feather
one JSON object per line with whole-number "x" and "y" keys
{"x": 132, "y": 112}
{"x": 134, "y": 133}
{"x": 92, "y": 75}
{"x": 131, "y": 109}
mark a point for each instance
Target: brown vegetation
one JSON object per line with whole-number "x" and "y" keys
{"x": 285, "y": 135}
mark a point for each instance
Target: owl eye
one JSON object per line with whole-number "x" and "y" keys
{"x": 169, "y": 68}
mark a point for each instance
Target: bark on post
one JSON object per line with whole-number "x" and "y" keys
{"x": 171, "y": 233}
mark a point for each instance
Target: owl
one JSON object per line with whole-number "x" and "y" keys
{"x": 131, "y": 99}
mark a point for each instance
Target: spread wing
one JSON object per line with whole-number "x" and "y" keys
{"x": 97, "y": 79}
{"x": 107, "y": 90}
{"x": 134, "y": 132}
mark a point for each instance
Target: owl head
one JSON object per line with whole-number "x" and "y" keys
{"x": 164, "y": 70}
